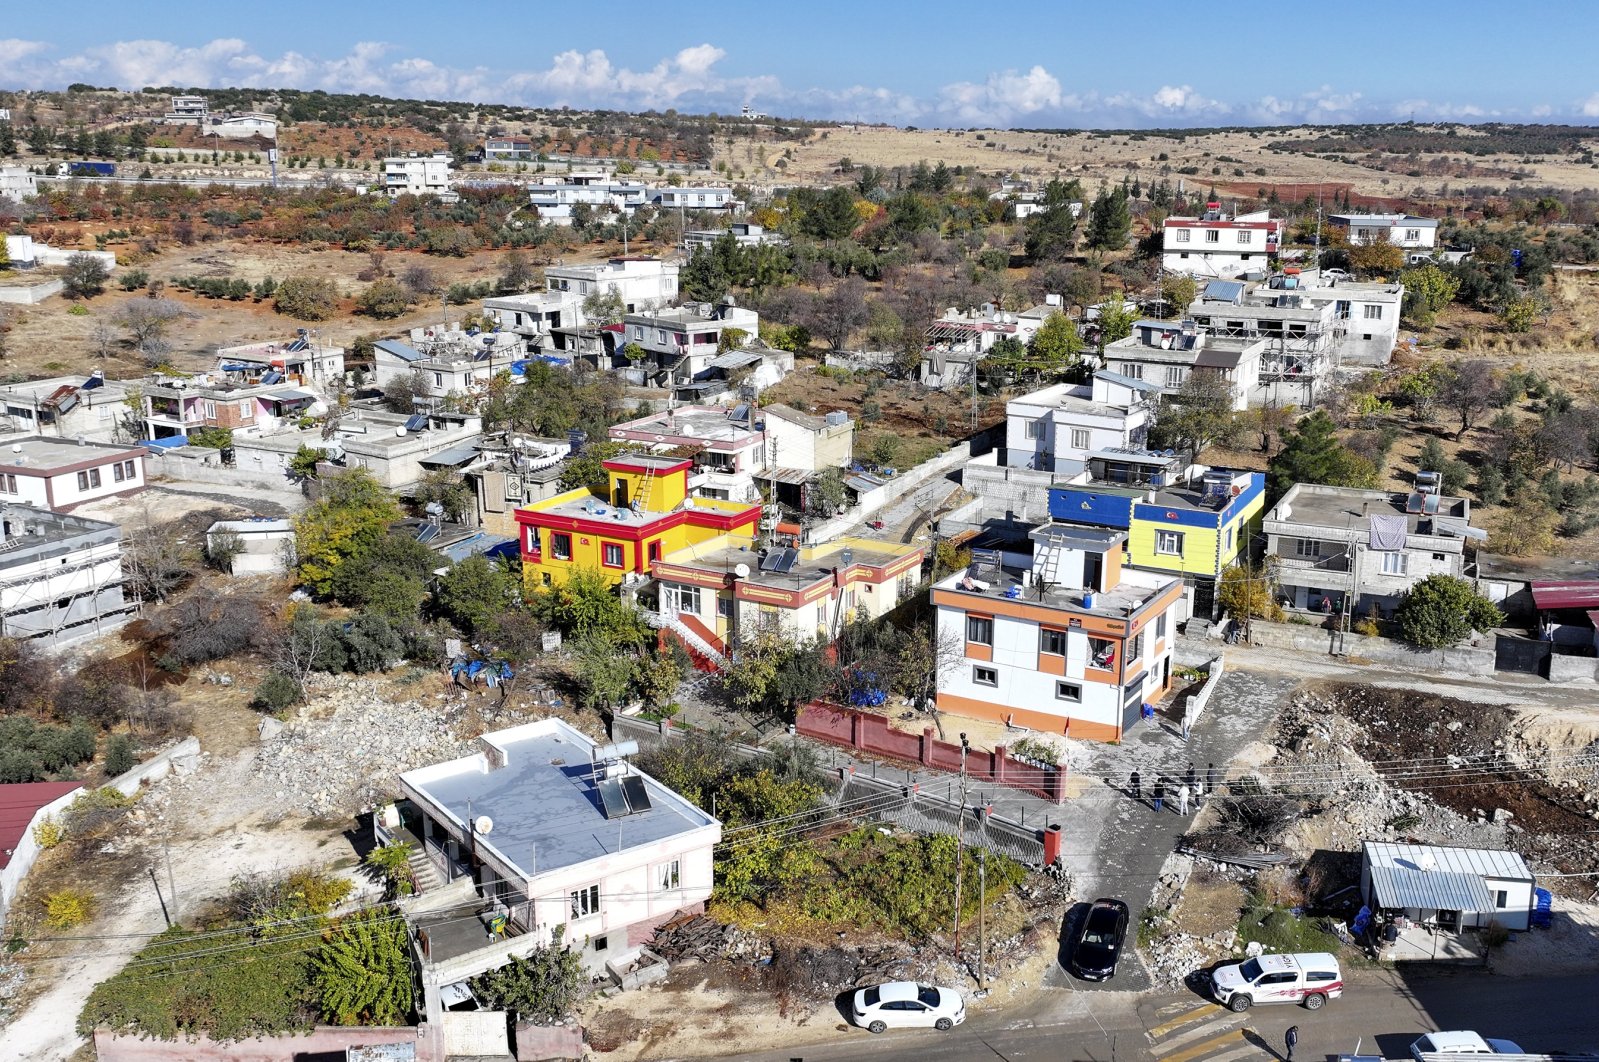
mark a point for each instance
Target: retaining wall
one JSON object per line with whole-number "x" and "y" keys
{"x": 182, "y": 470}
{"x": 182, "y": 758}
{"x": 27, "y": 849}
{"x": 1563, "y": 668}
{"x": 1462, "y": 660}
{"x": 31, "y": 294}
{"x": 322, "y": 1042}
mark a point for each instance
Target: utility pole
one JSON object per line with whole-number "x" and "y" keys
{"x": 982, "y": 920}
{"x": 960, "y": 847}
{"x": 162, "y": 900}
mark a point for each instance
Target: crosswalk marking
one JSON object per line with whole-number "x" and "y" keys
{"x": 1200, "y": 1050}
{"x": 1198, "y": 1032}
{"x": 1247, "y": 1050}
{"x": 1202, "y": 1011}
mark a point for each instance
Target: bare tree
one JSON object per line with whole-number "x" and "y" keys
{"x": 104, "y": 338}
{"x": 154, "y": 557}
{"x": 146, "y": 321}
{"x": 836, "y": 315}
{"x": 418, "y": 280}
{"x": 1468, "y": 388}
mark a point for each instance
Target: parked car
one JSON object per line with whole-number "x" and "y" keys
{"x": 1099, "y": 941}
{"x": 1311, "y": 978}
{"x": 1460, "y": 1043}
{"x": 907, "y": 1005}
{"x": 1338, "y": 275}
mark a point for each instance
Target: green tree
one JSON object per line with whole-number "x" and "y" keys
{"x": 1116, "y": 317}
{"x": 1311, "y": 453}
{"x": 1245, "y": 591}
{"x": 1052, "y": 232}
{"x": 1056, "y": 346}
{"x": 586, "y": 605}
{"x": 1110, "y": 221}
{"x": 350, "y": 516}
{"x": 831, "y": 216}
{"x": 1521, "y": 313}
{"x": 826, "y": 496}
{"x": 1199, "y": 414}
{"x": 302, "y": 466}
{"x": 517, "y": 273}
{"x": 604, "y": 307}
{"x": 1428, "y": 289}
{"x": 362, "y": 972}
{"x": 307, "y": 297}
{"x": 84, "y": 276}
{"x": 448, "y": 491}
{"x": 475, "y": 591}
{"x": 704, "y": 278}
{"x": 605, "y": 673}
{"x": 1441, "y": 610}
{"x": 541, "y": 987}
{"x": 385, "y": 299}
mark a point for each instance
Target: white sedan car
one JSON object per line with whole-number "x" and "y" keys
{"x": 1460, "y": 1043}
{"x": 907, "y": 1005}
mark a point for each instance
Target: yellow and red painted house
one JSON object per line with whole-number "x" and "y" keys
{"x": 644, "y": 514}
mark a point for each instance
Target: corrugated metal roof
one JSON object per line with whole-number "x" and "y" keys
{"x": 1583, "y": 594}
{"x": 1434, "y": 890}
{"x": 734, "y": 359}
{"x": 450, "y": 457}
{"x": 403, "y": 351}
{"x": 1484, "y": 862}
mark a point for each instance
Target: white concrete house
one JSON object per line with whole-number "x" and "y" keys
{"x": 1401, "y": 230}
{"x": 67, "y": 407}
{"x": 60, "y": 576}
{"x": 418, "y": 174}
{"x": 266, "y": 546}
{"x": 1216, "y": 245}
{"x": 707, "y": 197}
{"x": 1164, "y": 353}
{"x": 60, "y": 475}
{"x": 1054, "y": 429}
{"x": 542, "y": 829}
{"x": 642, "y": 283}
{"x": 18, "y": 182}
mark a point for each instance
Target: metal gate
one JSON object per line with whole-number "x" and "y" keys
{"x": 1529, "y": 656}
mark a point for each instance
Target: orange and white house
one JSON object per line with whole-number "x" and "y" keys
{"x": 1065, "y": 642}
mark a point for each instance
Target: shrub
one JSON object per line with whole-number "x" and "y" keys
{"x": 276, "y": 692}
{"x": 48, "y": 834}
{"x": 119, "y": 756}
{"x": 308, "y": 298}
{"x": 68, "y": 909}
{"x": 32, "y": 752}
{"x": 1441, "y": 610}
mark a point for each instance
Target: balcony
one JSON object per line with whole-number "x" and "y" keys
{"x": 1339, "y": 563}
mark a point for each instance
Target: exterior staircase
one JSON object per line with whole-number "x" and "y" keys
{"x": 691, "y": 639}
{"x": 423, "y": 872}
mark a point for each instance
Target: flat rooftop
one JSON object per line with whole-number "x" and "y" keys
{"x": 594, "y": 507}
{"x": 1537, "y": 569}
{"x": 544, "y": 802}
{"x": 725, "y": 553}
{"x": 1134, "y": 590}
{"x": 44, "y": 388}
{"x": 42, "y": 454}
{"x": 1349, "y": 507}
{"x": 709, "y": 424}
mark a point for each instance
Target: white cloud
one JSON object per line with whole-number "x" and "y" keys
{"x": 1001, "y": 98}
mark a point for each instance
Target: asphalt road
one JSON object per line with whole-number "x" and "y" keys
{"x": 1382, "y": 1012}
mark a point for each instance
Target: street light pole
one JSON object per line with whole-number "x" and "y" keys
{"x": 982, "y": 920}
{"x": 960, "y": 847}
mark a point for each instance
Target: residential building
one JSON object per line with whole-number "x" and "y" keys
{"x": 509, "y": 149}
{"x": 1348, "y": 551}
{"x": 1446, "y": 887}
{"x": 1215, "y": 245}
{"x": 415, "y": 174}
{"x": 742, "y": 233}
{"x": 60, "y": 475}
{"x": 1053, "y": 429}
{"x": 1365, "y": 317}
{"x": 959, "y": 339}
{"x": 702, "y": 197}
{"x": 68, "y": 407}
{"x": 176, "y": 406}
{"x": 727, "y": 445}
{"x": 1064, "y": 642}
{"x": 511, "y": 470}
{"x": 60, "y": 576}
{"x": 264, "y": 546}
{"x": 26, "y": 252}
{"x": 18, "y": 182}
{"x": 24, "y": 807}
{"x": 1401, "y": 230}
{"x": 186, "y": 109}
{"x": 305, "y": 359}
{"x": 642, "y": 283}
{"x": 551, "y": 837}
{"x": 242, "y": 125}
{"x": 645, "y": 513}
{"x": 722, "y": 591}
{"x": 1180, "y": 519}
{"x": 806, "y": 442}
{"x": 451, "y": 361}
{"x": 535, "y": 315}
{"x": 680, "y": 345}
{"x": 1165, "y": 353}
{"x": 558, "y": 200}
{"x": 393, "y": 447}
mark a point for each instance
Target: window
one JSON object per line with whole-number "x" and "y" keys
{"x": 1102, "y": 654}
{"x": 1316, "y": 977}
{"x": 1307, "y": 547}
{"x": 560, "y": 546}
{"x": 1169, "y": 543}
{"x": 1182, "y": 235}
{"x": 1079, "y": 438}
{"x": 1035, "y": 429}
{"x": 1501, "y": 899}
{"x": 985, "y": 676}
{"x": 89, "y": 479}
{"x": 980, "y": 629}
{"x": 1160, "y": 626}
{"x": 1373, "y": 312}
{"x": 675, "y": 598}
{"x": 724, "y": 607}
{"x": 438, "y": 379}
{"x": 1052, "y": 642}
{"x": 1412, "y": 235}
{"x": 1068, "y": 691}
{"x": 1133, "y": 370}
{"x": 586, "y": 902}
{"x": 210, "y": 409}
{"x": 1245, "y": 236}
{"x": 1174, "y": 375}
{"x": 119, "y": 472}
{"x": 1135, "y": 648}
{"x": 667, "y": 876}
{"x": 1229, "y": 544}
{"x": 612, "y": 555}
{"x": 1212, "y": 236}
{"x": 1394, "y": 562}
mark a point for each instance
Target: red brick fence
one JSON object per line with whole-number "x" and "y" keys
{"x": 871, "y": 733}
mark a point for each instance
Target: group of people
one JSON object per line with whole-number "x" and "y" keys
{"x": 1188, "y": 792}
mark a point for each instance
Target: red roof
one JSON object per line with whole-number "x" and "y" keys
{"x": 1566, "y": 593}
{"x": 19, "y": 802}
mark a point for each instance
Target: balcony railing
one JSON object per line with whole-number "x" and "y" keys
{"x": 1340, "y": 563}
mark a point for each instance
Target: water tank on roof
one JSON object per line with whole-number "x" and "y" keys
{"x": 837, "y": 419}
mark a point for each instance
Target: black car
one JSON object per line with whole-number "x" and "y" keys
{"x": 1099, "y": 941}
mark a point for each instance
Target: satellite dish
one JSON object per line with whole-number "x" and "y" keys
{"x": 399, "y": 432}
{"x": 483, "y": 824}
{"x": 741, "y": 570}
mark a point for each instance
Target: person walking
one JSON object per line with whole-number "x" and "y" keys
{"x": 1182, "y": 800}
{"x": 1291, "y": 1040}
{"x": 1211, "y": 778}
{"x": 1188, "y": 779}
{"x": 1199, "y": 793}
{"x": 1135, "y": 785}
{"x": 1159, "y": 793}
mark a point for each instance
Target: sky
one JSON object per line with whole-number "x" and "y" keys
{"x": 1066, "y": 64}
